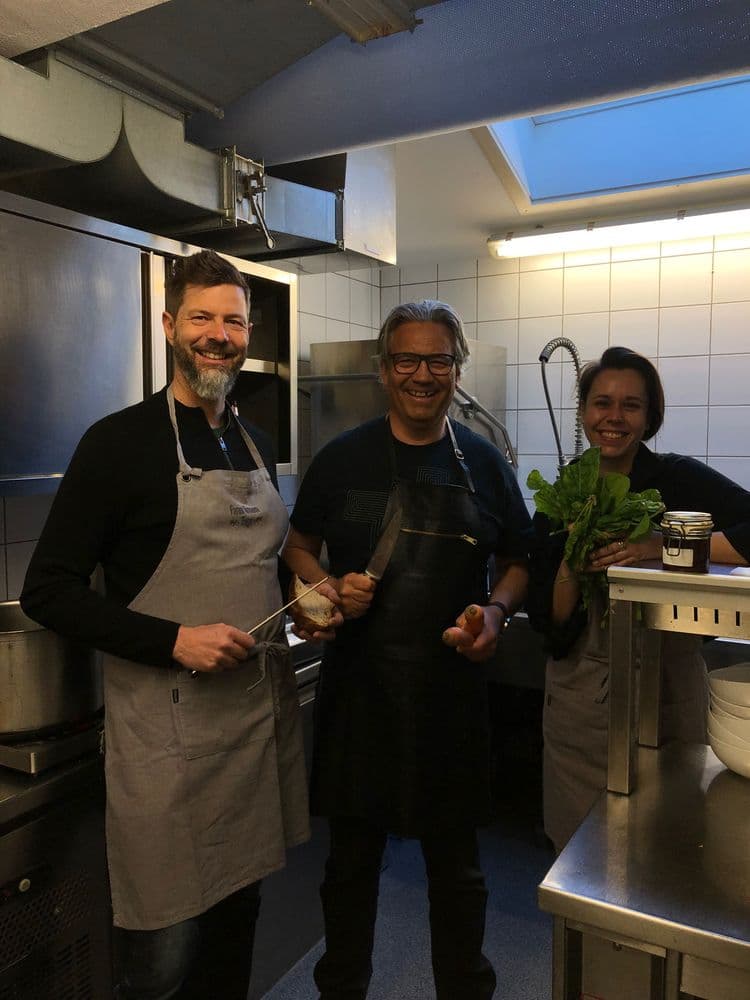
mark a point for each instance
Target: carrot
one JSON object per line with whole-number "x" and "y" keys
{"x": 456, "y": 637}
{"x": 474, "y": 619}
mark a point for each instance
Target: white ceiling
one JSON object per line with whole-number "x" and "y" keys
{"x": 30, "y": 24}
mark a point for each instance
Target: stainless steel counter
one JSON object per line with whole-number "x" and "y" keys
{"x": 22, "y": 794}
{"x": 715, "y": 603}
{"x": 665, "y": 870}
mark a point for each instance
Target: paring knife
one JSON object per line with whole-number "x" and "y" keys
{"x": 265, "y": 621}
{"x": 386, "y": 544}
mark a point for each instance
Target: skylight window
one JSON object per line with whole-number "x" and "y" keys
{"x": 694, "y": 133}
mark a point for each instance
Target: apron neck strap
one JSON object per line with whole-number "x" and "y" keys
{"x": 187, "y": 470}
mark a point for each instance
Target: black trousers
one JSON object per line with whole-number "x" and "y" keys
{"x": 457, "y": 898}
{"x": 206, "y": 956}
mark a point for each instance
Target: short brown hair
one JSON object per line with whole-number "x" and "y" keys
{"x": 204, "y": 269}
{"x": 621, "y": 358}
{"x": 425, "y": 311}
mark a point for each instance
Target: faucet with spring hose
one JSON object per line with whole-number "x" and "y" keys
{"x": 544, "y": 357}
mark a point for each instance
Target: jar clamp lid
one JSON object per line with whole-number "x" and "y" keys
{"x": 688, "y": 523}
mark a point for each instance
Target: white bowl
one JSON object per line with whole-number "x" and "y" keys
{"x": 735, "y": 711}
{"x": 735, "y": 759}
{"x": 732, "y": 684}
{"x": 737, "y": 727}
{"x": 716, "y": 729}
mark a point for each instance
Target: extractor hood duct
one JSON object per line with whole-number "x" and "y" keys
{"x": 70, "y": 140}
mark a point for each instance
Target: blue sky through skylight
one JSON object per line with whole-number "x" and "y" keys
{"x": 694, "y": 133}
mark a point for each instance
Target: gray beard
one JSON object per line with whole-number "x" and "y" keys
{"x": 210, "y": 385}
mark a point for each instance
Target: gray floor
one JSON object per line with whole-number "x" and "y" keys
{"x": 518, "y": 937}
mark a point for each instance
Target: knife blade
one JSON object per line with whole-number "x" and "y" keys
{"x": 386, "y": 544}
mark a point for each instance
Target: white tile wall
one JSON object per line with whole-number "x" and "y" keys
{"x": 727, "y": 430}
{"x": 685, "y": 430}
{"x": 534, "y": 333}
{"x": 586, "y": 289}
{"x": 685, "y": 381}
{"x": 502, "y": 333}
{"x": 497, "y": 297}
{"x": 412, "y": 292}
{"x": 685, "y": 280}
{"x": 684, "y": 330}
{"x": 730, "y": 327}
{"x": 589, "y": 332}
{"x": 730, "y": 379}
{"x": 461, "y": 293}
{"x": 540, "y": 293}
{"x": 637, "y": 329}
{"x": 731, "y": 275}
{"x": 635, "y": 284}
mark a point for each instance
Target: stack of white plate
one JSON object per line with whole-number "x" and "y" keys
{"x": 729, "y": 716}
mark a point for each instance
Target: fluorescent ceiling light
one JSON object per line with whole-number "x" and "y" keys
{"x": 597, "y": 235}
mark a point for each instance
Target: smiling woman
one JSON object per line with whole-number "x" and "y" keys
{"x": 622, "y": 405}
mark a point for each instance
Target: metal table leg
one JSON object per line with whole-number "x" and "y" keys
{"x": 649, "y": 701}
{"x": 621, "y": 772}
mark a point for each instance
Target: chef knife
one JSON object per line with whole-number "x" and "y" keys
{"x": 386, "y": 544}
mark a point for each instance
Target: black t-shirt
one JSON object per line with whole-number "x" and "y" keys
{"x": 116, "y": 506}
{"x": 344, "y": 494}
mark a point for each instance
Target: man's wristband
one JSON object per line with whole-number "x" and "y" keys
{"x": 506, "y": 614}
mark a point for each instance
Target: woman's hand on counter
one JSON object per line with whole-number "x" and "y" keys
{"x": 621, "y": 552}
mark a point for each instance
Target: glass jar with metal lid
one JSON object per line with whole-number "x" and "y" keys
{"x": 687, "y": 540}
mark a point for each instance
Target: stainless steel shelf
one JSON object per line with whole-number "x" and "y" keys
{"x": 715, "y": 603}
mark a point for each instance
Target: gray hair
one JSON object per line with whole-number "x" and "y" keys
{"x": 426, "y": 311}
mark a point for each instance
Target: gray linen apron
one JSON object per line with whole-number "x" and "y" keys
{"x": 576, "y": 718}
{"x": 205, "y": 774}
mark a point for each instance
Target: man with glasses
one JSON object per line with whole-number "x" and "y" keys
{"x": 402, "y": 732}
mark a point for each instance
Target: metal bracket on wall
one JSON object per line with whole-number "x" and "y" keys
{"x": 243, "y": 184}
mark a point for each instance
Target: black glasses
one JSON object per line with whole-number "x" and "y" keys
{"x": 408, "y": 364}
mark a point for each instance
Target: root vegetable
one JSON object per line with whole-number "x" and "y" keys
{"x": 473, "y": 617}
{"x": 456, "y": 637}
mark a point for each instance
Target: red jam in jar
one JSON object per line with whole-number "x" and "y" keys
{"x": 687, "y": 541}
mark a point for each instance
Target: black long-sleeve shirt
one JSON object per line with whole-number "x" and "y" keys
{"x": 116, "y": 506}
{"x": 684, "y": 484}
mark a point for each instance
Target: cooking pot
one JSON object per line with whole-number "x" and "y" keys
{"x": 47, "y": 683}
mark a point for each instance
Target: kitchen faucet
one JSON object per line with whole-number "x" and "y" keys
{"x": 544, "y": 357}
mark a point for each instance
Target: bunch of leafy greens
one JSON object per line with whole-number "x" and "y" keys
{"x": 595, "y": 510}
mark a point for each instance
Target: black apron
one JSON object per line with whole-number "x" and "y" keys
{"x": 402, "y": 728}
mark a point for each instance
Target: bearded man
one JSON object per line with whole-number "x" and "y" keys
{"x": 177, "y": 499}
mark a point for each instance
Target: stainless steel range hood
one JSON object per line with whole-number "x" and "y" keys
{"x": 71, "y": 140}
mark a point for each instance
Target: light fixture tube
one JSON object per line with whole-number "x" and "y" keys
{"x": 595, "y": 236}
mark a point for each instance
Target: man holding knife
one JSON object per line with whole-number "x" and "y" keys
{"x": 176, "y": 499}
{"x": 412, "y": 508}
